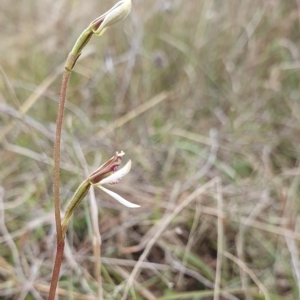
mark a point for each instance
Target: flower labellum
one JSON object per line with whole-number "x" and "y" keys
{"x": 108, "y": 173}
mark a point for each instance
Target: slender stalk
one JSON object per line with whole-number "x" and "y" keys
{"x": 57, "y": 264}
{"x": 71, "y": 60}
{"x": 60, "y": 229}
{"x": 59, "y": 122}
{"x": 59, "y": 234}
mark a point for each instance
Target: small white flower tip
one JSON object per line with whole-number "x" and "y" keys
{"x": 121, "y": 153}
{"x": 117, "y": 176}
{"x": 117, "y": 13}
{"x": 119, "y": 198}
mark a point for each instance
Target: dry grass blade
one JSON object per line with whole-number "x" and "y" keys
{"x": 133, "y": 114}
{"x": 31, "y": 100}
{"x": 143, "y": 291}
{"x": 219, "y": 197}
{"x": 250, "y": 273}
{"x": 96, "y": 242}
{"x": 160, "y": 227}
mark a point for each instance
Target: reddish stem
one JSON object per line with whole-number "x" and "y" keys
{"x": 56, "y": 269}
{"x": 59, "y": 121}
{"x": 56, "y": 182}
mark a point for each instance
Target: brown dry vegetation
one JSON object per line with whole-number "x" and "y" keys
{"x": 204, "y": 97}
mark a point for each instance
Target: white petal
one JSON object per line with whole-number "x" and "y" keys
{"x": 113, "y": 178}
{"x": 118, "y": 198}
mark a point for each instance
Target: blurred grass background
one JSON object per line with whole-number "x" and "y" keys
{"x": 204, "y": 97}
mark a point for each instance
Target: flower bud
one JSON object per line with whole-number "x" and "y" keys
{"x": 117, "y": 13}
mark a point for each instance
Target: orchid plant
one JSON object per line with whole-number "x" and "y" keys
{"x": 108, "y": 173}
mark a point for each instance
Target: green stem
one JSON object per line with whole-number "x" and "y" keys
{"x": 81, "y": 42}
{"x": 76, "y": 200}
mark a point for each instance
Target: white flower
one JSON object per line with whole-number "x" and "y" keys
{"x": 114, "y": 177}
{"x": 117, "y": 13}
